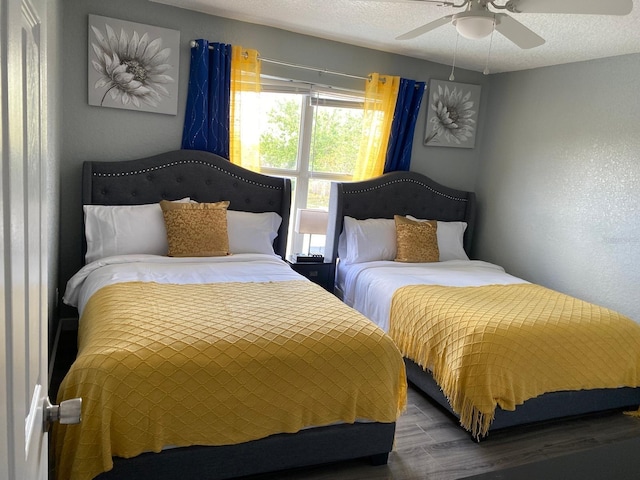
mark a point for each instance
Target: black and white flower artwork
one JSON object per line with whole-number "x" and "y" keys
{"x": 133, "y": 66}
{"x": 452, "y": 114}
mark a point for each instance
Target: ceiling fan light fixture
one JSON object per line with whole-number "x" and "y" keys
{"x": 474, "y": 27}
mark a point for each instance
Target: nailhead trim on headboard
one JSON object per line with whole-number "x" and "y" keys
{"x": 180, "y": 162}
{"x": 458, "y": 199}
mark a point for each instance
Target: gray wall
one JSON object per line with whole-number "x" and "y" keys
{"x": 52, "y": 140}
{"x": 559, "y": 180}
{"x": 95, "y": 133}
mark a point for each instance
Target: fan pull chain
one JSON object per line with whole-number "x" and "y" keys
{"x": 455, "y": 54}
{"x": 486, "y": 67}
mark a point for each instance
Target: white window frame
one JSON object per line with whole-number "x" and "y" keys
{"x": 303, "y": 173}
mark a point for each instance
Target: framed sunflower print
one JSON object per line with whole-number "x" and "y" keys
{"x": 452, "y": 114}
{"x": 133, "y": 66}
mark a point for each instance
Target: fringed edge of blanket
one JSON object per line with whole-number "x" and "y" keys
{"x": 633, "y": 413}
{"x": 402, "y": 397}
{"x": 471, "y": 418}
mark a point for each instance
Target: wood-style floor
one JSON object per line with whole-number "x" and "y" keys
{"x": 454, "y": 455}
{"x": 430, "y": 445}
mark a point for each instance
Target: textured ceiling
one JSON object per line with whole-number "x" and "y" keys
{"x": 376, "y": 23}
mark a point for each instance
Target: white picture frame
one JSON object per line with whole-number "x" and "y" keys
{"x": 452, "y": 114}
{"x": 133, "y": 66}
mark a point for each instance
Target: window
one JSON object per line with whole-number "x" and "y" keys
{"x": 311, "y": 135}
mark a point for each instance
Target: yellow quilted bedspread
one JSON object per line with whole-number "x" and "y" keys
{"x": 503, "y": 344}
{"x": 219, "y": 364}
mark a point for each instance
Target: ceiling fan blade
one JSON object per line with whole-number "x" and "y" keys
{"x": 425, "y": 28}
{"x": 593, "y": 7}
{"x": 517, "y": 32}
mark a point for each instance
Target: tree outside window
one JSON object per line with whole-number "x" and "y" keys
{"x": 313, "y": 138}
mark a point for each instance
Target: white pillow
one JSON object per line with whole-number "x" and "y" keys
{"x": 375, "y": 239}
{"x": 124, "y": 229}
{"x": 130, "y": 229}
{"x": 342, "y": 246}
{"x": 369, "y": 240}
{"x": 252, "y": 232}
{"x": 450, "y": 239}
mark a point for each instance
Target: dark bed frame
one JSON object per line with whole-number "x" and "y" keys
{"x": 206, "y": 177}
{"x": 411, "y": 193}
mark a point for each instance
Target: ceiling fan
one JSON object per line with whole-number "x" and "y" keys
{"x": 478, "y": 20}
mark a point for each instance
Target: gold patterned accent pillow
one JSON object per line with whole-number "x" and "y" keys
{"x": 417, "y": 242}
{"x": 196, "y": 229}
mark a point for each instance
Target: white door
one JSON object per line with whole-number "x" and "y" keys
{"x": 23, "y": 299}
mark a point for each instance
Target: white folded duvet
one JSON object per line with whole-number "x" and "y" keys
{"x": 369, "y": 287}
{"x": 245, "y": 267}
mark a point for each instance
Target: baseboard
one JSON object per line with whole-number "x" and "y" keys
{"x": 69, "y": 323}
{"x": 64, "y": 325}
{"x": 54, "y": 351}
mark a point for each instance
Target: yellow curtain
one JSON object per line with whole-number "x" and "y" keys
{"x": 245, "y": 96}
{"x": 379, "y": 104}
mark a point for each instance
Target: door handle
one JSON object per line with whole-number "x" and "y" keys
{"x": 67, "y": 413}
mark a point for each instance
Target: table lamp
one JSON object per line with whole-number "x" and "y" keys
{"x": 312, "y": 222}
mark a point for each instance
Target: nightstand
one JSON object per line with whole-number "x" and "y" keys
{"x": 317, "y": 272}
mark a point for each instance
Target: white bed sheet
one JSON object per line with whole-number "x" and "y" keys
{"x": 247, "y": 267}
{"x": 369, "y": 287}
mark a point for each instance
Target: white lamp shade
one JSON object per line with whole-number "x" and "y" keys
{"x": 474, "y": 27}
{"x": 311, "y": 221}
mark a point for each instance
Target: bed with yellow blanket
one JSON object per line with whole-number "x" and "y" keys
{"x": 219, "y": 364}
{"x": 500, "y": 345}
{"x": 212, "y": 366}
{"x": 493, "y": 349}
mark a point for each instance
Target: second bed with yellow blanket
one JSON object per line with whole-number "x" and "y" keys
{"x": 216, "y": 364}
{"x": 499, "y": 345}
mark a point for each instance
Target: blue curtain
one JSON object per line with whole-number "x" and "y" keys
{"x": 410, "y": 95}
{"x": 206, "y": 122}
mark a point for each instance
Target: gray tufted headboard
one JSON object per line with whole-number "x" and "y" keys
{"x": 398, "y": 193}
{"x": 203, "y": 176}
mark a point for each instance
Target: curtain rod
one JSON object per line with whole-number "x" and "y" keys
{"x": 194, "y": 44}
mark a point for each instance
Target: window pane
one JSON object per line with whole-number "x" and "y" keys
{"x": 279, "y": 129}
{"x": 318, "y": 196}
{"x": 336, "y": 139}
